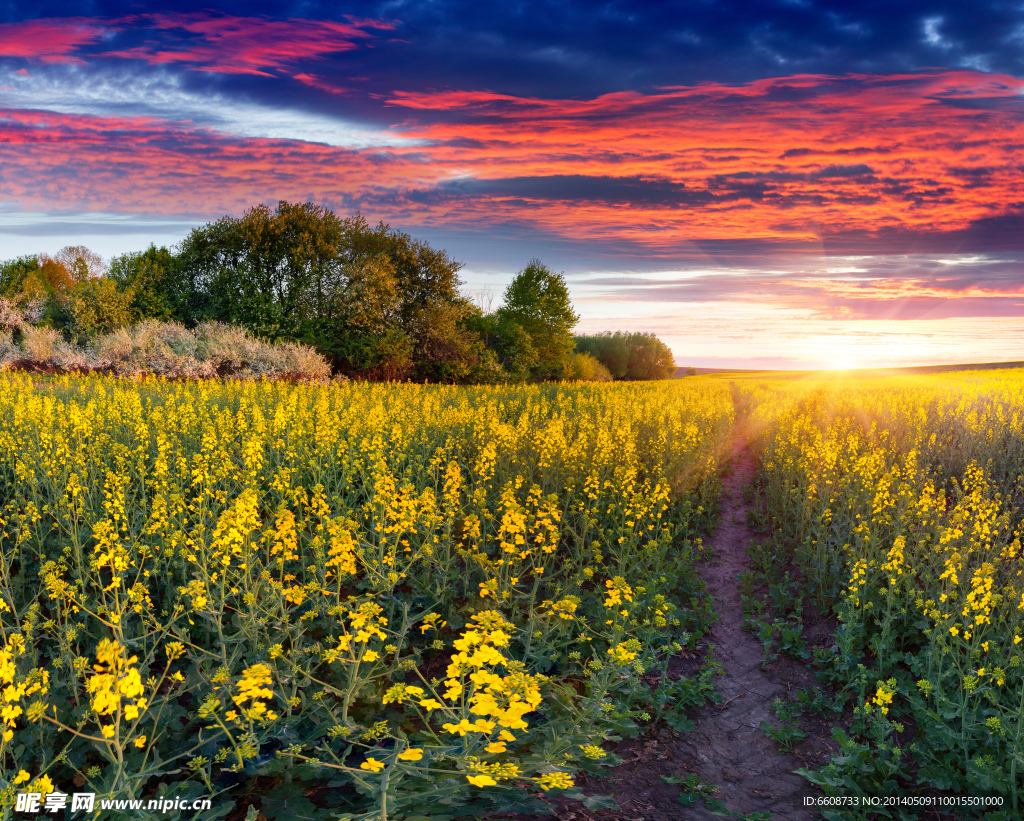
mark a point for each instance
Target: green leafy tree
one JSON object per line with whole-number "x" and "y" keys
{"x": 447, "y": 349}
{"x": 14, "y": 273}
{"x": 650, "y": 358}
{"x": 629, "y": 355}
{"x": 430, "y": 311}
{"x": 377, "y": 302}
{"x": 611, "y": 350}
{"x": 396, "y": 311}
{"x": 509, "y": 344}
{"x": 538, "y": 301}
{"x": 98, "y": 307}
{"x": 270, "y": 271}
{"x": 360, "y": 328}
{"x": 150, "y": 276}
{"x": 424, "y": 274}
{"x": 34, "y": 277}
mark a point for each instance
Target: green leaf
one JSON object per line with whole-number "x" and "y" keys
{"x": 287, "y": 802}
{"x": 681, "y": 724}
{"x": 600, "y": 802}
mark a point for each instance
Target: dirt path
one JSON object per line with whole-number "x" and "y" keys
{"x": 727, "y": 747}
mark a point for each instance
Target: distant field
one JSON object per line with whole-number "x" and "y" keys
{"x": 681, "y": 372}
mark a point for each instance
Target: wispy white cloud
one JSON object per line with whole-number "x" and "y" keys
{"x": 112, "y": 91}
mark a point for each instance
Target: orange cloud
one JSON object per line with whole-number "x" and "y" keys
{"x": 788, "y": 160}
{"x": 793, "y": 157}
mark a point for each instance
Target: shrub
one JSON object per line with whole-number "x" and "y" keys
{"x": 582, "y": 367}
{"x": 211, "y": 349}
{"x": 39, "y": 344}
{"x": 169, "y": 349}
{"x": 10, "y": 315}
{"x": 231, "y": 351}
{"x": 8, "y": 350}
{"x": 165, "y": 348}
{"x": 70, "y": 357}
{"x": 299, "y": 361}
{"x": 630, "y": 355}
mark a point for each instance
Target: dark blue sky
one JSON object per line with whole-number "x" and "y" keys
{"x": 566, "y": 49}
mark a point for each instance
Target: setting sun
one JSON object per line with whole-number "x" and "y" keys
{"x": 840, "y": 363}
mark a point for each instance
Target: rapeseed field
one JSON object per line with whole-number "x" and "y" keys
{"x": 386, "y": 592}
{"x": 408, "y": 601}
{"x": 901, "y": 502}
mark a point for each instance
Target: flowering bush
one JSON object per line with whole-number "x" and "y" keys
{"x": 39, "y": 344}
{"x": 169, "y": 349}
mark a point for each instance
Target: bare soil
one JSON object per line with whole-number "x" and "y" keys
{"x": 727, "y": 747}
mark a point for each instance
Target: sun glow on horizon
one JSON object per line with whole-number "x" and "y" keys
{"x": 842, "y": 363}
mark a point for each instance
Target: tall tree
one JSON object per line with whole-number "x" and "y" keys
{"x": 430, "y": 311}
{"x": 373, "y": 299}
{"x": 150, "y": 277}
{"x": 270, "y": 271}
{"x": 81, "y": 264}
{"x": 538, "y": 300}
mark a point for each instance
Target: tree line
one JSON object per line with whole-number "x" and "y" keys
{"x": 375, "y": 302}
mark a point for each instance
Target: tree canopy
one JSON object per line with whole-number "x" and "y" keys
{"x": 376, "y": 302}
{"x": 630, "y": 355}
{"x": 538, "y": 301}
{"x": 150, "y": 277}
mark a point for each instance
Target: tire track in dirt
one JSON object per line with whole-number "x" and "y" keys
{"x": 726, "y": 747}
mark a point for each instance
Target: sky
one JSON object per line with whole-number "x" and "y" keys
{"x": 763, "y": 184}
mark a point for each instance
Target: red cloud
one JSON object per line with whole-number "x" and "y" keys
{"x": 320, "y": 83}
{"x": 246, "y": 45}
{"x": 201, "y": 41}
{"x": 50, "y": 41}
{"x": 798, "y": 159}
{"x": 793, "y": 157}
